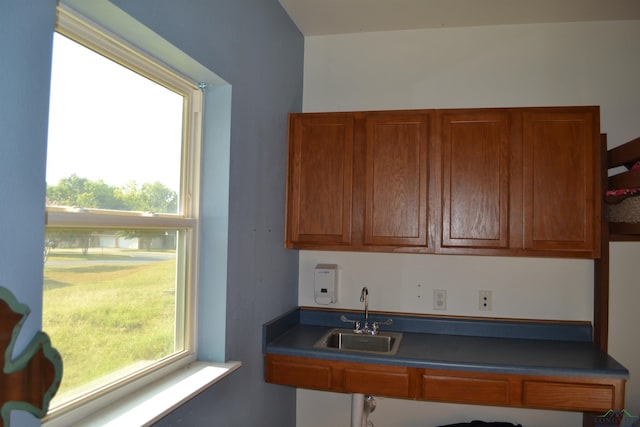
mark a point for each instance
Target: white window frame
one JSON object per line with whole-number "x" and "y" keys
{"x": 80, "y": 29}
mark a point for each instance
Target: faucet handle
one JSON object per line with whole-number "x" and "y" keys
{"x": 356, "y": 323}
{"x": 376, "y": 325}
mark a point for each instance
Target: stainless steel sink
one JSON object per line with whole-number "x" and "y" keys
{"x": 348, "y": 340}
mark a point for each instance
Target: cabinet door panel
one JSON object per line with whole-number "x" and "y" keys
{"x": 320, "y": 180}
{"x": 559, "y": 181}
{"x": 387, "y": 383}
{"x": 295, "y": 374}
{"x": 396, "y": 180}
{"x": 465, "y": 390}
{"x": 520, "y": 181}
{"x": 475, "y": 199}
{"x": 568, "y": 396}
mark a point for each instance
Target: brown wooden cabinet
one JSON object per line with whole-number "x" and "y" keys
{"x": 358, "y": 181}
{"x": 476, "y": 176}
{"x": 392, "y": 381}
{"x": 572, "y": 394}
{"x": 512, "y": 181}
{"x": 561, "y": 160}
{"x": 320, "y": 179}
{"x": 396, "y": 179}
{"x": 575, "y": 393}
{"x": 342, "y": 377}
{"x": 580, "y": 394}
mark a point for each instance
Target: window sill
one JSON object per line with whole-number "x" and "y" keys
{"x": 156, "y": 400}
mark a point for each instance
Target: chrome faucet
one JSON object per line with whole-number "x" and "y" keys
{"x": 364, "y": 297}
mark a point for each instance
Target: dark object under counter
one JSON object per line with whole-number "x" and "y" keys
{"x": 469, "y": 344}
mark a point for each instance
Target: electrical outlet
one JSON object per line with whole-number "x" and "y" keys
{"x": 439, "y": 299}
{"x": 485, "y": 301}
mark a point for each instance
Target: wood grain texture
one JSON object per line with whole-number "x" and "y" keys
{"x": 476, "y": 168}
{"x": 29, "y": 379}
{"x": 452, "y": 388}
{"x": 320, "y": 179}
{"x": 567, "y": 395}
{"x": 393, "y": 381}
{"x": 396, "y": 179}
{"x": 628, "y": 152}
{"x": 561, "y": 181}
{"x": 444, "y": 385}
{"x": 509, "y": 182}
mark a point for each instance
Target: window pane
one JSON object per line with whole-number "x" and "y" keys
{"x": 115, "y": 137}
{"x": 118, "y": 285}
{"x": 110, "y": 302}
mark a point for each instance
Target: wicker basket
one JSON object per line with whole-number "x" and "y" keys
{"x": 626, "y": 211}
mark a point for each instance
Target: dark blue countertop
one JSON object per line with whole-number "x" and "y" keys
{"x": 468, "y": 344}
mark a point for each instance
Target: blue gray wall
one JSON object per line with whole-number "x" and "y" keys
{"x": 26, "y": 29}
{"x": 255, "y": 47}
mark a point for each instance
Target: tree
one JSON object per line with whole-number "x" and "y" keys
{"x": 81, "y": 192}
{"x": 159, "y": 198}
{"x": 84, "y": 193}
{"x": 148, "y": 197}
{"x": 74, "y": 238}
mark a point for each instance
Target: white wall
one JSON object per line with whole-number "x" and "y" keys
{"x": 498, "y": 66}
{"x": 522, "y": 288}
{"x": 322, "y": 409}
{"x": 624, "y": 297}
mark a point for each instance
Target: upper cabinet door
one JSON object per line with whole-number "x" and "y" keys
{"x": 561, "y": 182}
{"x": 475, "y": 179}
{"x": 320, "y": 179}
{"x": 396, "y": 179}
{"x": 499, "y": 181}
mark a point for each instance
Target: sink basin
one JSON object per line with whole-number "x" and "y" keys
{"x": 348, "y": 340}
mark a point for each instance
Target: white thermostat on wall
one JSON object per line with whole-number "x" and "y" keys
{"x": 325, "y": 283}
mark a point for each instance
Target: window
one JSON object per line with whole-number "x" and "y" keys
{"x": 121, "y": 248}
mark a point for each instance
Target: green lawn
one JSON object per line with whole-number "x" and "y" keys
{"x": 103, "y": 315}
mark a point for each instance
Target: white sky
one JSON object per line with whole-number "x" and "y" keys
{"x": 108, "y": 123}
